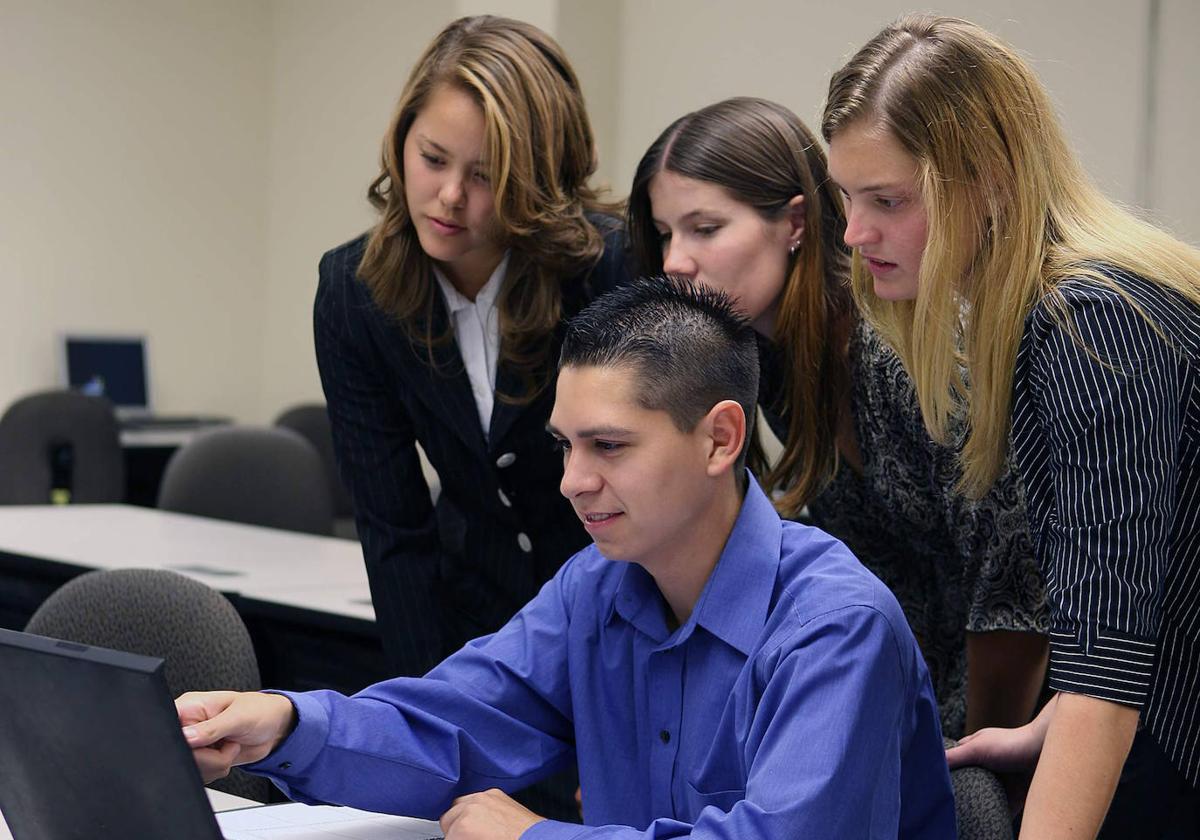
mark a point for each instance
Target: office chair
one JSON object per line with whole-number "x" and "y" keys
{"x": 259, "y": 476}
{"x": 61, "y": 446}
{"x": 980, "y": 804}
{"x": 155, "y": 612}
{"x": 311, "y": 420}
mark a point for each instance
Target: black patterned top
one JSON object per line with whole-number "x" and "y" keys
{"x": 954, "y": 565}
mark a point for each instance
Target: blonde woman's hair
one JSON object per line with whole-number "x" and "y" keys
{"x": 539, "y": 154}
{"x": 1011, "y": 215}
{"x": 764, "y": 156}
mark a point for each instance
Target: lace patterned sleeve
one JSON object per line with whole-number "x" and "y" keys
{"x": 1001, "y": 577}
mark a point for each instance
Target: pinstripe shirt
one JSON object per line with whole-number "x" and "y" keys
{"x": 1106, "y": 431}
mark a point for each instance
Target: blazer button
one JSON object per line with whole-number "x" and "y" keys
{"x": 504, "y": 500}
{"x": 506, "y": 460}
{"x": 525, "y": 543}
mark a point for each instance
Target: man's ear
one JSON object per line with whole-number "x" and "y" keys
{"x": 726, "y": 425}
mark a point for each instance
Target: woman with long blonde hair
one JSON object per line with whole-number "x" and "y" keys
{"x": 1062, "y": 332}
{"x": 441, "y": 326}
{"x": 737, "y": 196}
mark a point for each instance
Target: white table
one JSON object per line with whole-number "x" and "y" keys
{"x": 305, "y": 598}
{"x": 162, "y": 438}
{"x": 262, "y": 563}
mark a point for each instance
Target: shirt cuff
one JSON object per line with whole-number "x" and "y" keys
{"x": 300, "y": 749}
{"x": 1114, "y": 666}
{"x": 553, "y": 830}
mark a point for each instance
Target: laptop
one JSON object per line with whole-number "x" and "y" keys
{"x": 92, "y": 746}
{"x": 114, "y": 366}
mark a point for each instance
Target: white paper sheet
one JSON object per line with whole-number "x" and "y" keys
{"x": 295, "y": 821}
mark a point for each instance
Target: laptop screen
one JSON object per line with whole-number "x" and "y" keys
{"x": 113, "y": 367}
{"x": 92, "y": 747}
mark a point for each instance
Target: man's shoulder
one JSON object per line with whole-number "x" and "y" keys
{"x": 825, "y": 597}
{"x": 819, "y": 575}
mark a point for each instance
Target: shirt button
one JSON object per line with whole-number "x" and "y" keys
{"x": 504, "y": 500}
{"x": 664, "y": 736}
{"x": 287, "y": 765}
{"x": 525, "y": 543}
{"x": 506, "y": 460}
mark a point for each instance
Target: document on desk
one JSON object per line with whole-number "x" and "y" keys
{"x": 295, "y": 821}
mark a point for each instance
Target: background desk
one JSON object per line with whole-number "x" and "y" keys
{"x": 147, "y": 449}
{"x": 305, "y": 599}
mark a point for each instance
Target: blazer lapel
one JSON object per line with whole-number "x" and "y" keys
{"x": 505, "y": 412}
{"x": 444, "y": 387}
{"x": 450, "y": 393}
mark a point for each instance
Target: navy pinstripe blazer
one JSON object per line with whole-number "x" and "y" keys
{"x": 434, "y": 587}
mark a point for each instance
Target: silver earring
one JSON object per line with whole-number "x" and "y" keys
{"x": 793, "y": 249}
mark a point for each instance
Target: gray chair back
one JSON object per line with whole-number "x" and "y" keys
{"x": 311, "y": 420}
{"x": 154, "y": 612}
{"x": 80, "y": 431}
{"x": 980, "y": 804}
{"x": 259, "y": 476}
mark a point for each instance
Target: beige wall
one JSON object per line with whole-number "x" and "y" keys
{"x": 132, "y": 189}
{"x": 336, "y": 72}
{"x": 176, "y": 167}
{"x": 677, "y": 55}
{"x": 1175, "y": 182}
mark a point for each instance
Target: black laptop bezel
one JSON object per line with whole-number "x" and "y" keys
{"x": 92, "y": 746}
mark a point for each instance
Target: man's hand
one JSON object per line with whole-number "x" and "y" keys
{"x": 490, "y": 815}
{"x": 225, "y": 728}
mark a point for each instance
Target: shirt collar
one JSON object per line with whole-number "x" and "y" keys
{"x": 456, "y": 301}
{"x": 736, "y": 600}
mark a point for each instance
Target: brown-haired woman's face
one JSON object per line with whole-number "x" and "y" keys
{"x": 710, "y": 237}
{"x": 446, "y": 187}
{"x": 885, "y": 216}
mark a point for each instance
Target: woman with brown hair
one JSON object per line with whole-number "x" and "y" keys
{"x": 441, "y": 327}
{"x": 1063, "y": 333}
{"x": 737, "y": 196}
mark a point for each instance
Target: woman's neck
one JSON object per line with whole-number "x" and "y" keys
{"x": 469, "y": 275}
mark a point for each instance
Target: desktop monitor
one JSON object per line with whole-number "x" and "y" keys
{"x": 108, "y": 366}
{"x": 91, "y": 746}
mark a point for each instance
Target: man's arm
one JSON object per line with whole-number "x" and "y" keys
{"x": 225, "y": 728}
{"x": 496, "y": 714}
{"x": 1086, "y": 745}
{"x": 1005, "y": 672}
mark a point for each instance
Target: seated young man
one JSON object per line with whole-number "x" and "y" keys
{"x": 716, "y": 671}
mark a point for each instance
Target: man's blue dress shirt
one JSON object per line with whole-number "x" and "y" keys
{"x": 792, "y": 704}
